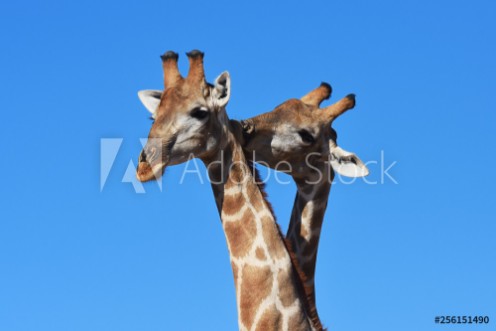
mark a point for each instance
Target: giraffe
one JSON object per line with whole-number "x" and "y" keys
{"x": 297, "y": 137}
{"x": 190, "y": 120}
{"x": 290, "y": 129}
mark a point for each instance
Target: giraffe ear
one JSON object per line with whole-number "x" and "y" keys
{"x": 150, "y": 99}
{"x": 346, "y": 163}
{"x": 222, "y": 90}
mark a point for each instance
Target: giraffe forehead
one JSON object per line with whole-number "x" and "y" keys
{"x": 179, "y": 99}
{"x": 297, "y": 115}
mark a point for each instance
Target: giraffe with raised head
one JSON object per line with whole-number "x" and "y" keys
{"x": 297, "y": 138}
{"x": 190, "y": 120}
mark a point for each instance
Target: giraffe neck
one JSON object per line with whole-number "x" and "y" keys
{"x": 306, "y": 223}
{"x": 269, "y": 294}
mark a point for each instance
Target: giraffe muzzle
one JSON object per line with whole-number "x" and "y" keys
{"x": 151, "y": 163}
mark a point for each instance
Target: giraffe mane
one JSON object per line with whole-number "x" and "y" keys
{"x": 304, "y": 291}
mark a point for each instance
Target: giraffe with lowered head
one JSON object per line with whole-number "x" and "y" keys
{"x": 297, "y": 138}
{"x": 191, "y": 120}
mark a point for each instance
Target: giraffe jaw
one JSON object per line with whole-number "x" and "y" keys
{"x": 147, "y": 172}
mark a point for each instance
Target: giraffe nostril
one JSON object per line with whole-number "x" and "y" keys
{"x": 148, "y": 154}
{"x": 142, "y": 157}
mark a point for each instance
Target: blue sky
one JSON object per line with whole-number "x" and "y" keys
{"x": 392, "y": 256}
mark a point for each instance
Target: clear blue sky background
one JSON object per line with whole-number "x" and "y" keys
{"x": 392, "y": 256}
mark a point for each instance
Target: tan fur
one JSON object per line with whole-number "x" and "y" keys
{"x": 257, "y": 283}
{"x": 241, "y": 235}
{"x": 271, "y": 320}
{"x": 259, "y": 253}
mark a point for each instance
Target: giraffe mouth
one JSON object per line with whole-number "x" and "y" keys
{"x": 147, "y": 171}
{"x": 151, "y": 166}
{"x": 153, "y": 159}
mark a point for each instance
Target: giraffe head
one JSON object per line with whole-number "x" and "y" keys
{"x": 298, "y": 133}
{"x": 188, "y": 117}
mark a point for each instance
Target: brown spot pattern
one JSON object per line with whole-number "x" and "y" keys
{"x": 271, "y": 320}
{"x": 259, "y": 253}
{"x": 232, "y": 203}
{"x": 272, "y": 238}
{"x": 256, "y": 198}
{"x": 256, "y": 286}
{"x": 241, "y": 234}
{"x": 235, "y": 273}
{"x": 297, "y": 322}
{"x": 287, "y": 294}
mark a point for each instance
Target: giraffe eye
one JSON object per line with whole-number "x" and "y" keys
{"x": 199, "y": 113}
{"x": 306, "y": 137}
